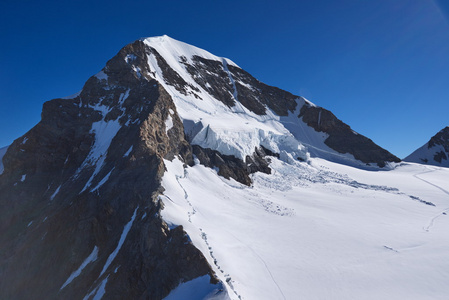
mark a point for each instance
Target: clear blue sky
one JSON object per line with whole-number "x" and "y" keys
{"x": 381, "y": 66}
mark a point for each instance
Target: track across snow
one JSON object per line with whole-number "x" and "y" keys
{"x": 443, "y": 212}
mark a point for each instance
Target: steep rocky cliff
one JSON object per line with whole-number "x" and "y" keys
{"x": 79, "y": 195}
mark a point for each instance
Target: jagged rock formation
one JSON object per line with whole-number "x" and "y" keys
{"x": 88, "y": 177}
{"x": 232, "y": 167}
{"x": 79, "y": 193}
{"x": 434, "y": 152}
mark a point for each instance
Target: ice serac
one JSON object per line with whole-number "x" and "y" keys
{"x": 434, "y": 152}
{"x": 89, "y": 174}
{"x": 93, "y": 168}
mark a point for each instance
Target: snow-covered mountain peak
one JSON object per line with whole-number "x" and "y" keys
{"x": 175, "y": 171}
{"x": 226, "y": 109}
{"x": 169, "y": 47}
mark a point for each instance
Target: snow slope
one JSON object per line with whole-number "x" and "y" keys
{"x": 318, "y": 231}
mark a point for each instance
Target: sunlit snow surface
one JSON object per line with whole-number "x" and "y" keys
{"x": 319, "y": 231}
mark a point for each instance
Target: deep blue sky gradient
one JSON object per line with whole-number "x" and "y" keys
{"x": 381, "y": 66}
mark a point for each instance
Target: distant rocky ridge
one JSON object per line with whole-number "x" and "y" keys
{"x": 79, "y": 193}
{"x": 434, "y": 152}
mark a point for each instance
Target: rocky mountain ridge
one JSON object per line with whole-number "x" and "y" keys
{"x": 80, "y": 192}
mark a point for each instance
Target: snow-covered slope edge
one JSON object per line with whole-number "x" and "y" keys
{"x": 434, "y": 152}
{"x": 328, "y": 232}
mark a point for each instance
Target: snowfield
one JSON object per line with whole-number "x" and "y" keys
{"x": 319, "y": 230}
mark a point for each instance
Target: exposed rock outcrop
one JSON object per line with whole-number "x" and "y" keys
{"x": 434, "y": 152}
{"x": 232, "y": 167}
{"x": 342, "y": 138}
{"x": 88, "y": 177}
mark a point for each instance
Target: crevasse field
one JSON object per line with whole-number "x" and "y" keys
{"x": 316, "y": 231}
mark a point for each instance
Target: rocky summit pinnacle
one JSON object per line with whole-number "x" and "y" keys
{"x": 81, "y": 193}
{"x": 434, "y": 152}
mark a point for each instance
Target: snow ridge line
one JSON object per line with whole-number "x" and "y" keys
{"x": 204, "y": 235}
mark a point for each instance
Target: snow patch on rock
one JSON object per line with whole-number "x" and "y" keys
{"x": 125, "y": 232}
{"x": 92, "y": 257}
{"x": 104, "y": 133}
{"x": 168, "y": 124}
{"x": 55, "y": 193}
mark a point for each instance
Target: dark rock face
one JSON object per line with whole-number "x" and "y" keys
{"x": 65, "y": 192}
{"x": 440, "y": 139}
{"x": 231, "y": 167}
{"x": 343, "y": 139}
{"x": 173, "y": 78}
{"x": 212, "y": 77}
{"x": 261, "y": 95}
